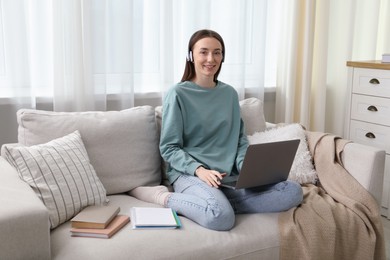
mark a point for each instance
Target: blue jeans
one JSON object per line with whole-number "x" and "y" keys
{"x": 216, "y": 208}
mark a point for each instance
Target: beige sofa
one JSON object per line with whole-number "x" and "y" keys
{"x": 123, "y": 149}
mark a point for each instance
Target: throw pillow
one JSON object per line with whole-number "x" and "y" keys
{"x": 61, "y": 175}
{"x": 302, "y": 169}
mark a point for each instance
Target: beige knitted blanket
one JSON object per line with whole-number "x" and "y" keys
{"x": 338, "y": 219}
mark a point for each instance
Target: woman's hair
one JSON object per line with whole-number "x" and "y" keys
{"x": 189, "y": 71}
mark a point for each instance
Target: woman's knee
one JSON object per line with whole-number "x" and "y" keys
{"x": 294, "y": 194}
{"x": 219, "y": 218}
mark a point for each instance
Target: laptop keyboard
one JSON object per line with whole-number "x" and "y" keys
{"x": 230, "y": 183}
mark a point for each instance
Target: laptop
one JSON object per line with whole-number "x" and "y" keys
{"x": 265, "y": 163}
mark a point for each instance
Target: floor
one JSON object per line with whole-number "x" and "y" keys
{"x": 386, "y": 227}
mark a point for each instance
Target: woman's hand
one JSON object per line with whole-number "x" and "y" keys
{"x": 211, "y": 177}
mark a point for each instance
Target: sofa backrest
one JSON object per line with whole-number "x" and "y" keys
{"x": 122, "y": 145}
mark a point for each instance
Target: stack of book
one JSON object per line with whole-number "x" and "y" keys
{"x": 386, "y": 58}
{"x": 154, "y": 218}
{"x": 98, "y": 221}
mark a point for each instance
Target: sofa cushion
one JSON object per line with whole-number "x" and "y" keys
{"x": 61, "y": 175}
{"x": 302, "y": 169}
{"x": 254, "y": 236}
{"x": 253, "y": 115}
{"x": 122, "y": 145}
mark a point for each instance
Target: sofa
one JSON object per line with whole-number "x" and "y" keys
{"x": 122, "y": 149}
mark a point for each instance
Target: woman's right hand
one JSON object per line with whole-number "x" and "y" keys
{"x": 211, "y": 177}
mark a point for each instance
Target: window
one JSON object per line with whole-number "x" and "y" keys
{"x": 127, "y": 46}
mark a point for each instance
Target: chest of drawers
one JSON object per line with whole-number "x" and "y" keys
{"x": 368, "y": 112}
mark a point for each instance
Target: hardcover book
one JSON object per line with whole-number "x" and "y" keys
{"x": 115, "y": 225}
{"x": 95, "y": 217}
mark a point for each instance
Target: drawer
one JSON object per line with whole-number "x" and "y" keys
{"x": 371, "y": 109}
{"x": 370, "y": 134}
{"x": 371, "y": 82}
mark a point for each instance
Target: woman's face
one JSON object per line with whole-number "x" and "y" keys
{"x": 207, "y": 55}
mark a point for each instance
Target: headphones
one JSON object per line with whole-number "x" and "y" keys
{"x": 190, "y": 57}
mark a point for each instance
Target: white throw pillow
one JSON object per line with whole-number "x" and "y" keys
{"x": 61, "y": 175}
{"x": 302, "y": 169}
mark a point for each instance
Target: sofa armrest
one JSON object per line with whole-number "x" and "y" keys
{"x": 366, "y": 164}
{"x": 24, "y": 220}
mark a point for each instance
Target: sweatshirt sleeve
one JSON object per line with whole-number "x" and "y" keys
{"x": 242, "y": 146}
{"x": 171, "y": 142}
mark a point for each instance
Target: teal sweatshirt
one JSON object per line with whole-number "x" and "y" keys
{"x": 202, "y": 127}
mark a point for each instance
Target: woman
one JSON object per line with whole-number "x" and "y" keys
{"x": 203, "y": 140}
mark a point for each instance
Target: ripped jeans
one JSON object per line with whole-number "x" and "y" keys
{"x": 216, "y": 208}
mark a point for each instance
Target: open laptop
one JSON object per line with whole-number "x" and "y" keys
{"x": 265, "y": 163}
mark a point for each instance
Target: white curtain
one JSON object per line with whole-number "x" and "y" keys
{"x": 317, "y": 38}
{"x": 81, "y": 54}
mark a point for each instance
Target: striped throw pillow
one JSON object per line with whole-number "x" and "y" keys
{"x": 61, "y": 175}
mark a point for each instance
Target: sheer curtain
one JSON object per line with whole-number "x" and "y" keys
{"x": 79, "y": 55}
{"x": 317, "y": 38}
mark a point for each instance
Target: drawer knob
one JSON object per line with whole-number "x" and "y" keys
{"x": 370, "y": 135}
{"x": 374, "y": 81}
{"x": 372, "y": 109}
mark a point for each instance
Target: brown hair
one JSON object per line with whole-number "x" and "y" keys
{"x": 189, "y": 71}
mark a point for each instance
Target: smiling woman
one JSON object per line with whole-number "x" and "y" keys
{"x": 206, "y": 51}
{"x": 203, "y": 140}
{"x": 207, "y": 61}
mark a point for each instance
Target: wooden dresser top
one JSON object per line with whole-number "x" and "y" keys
{"x": 369, "y": 64}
